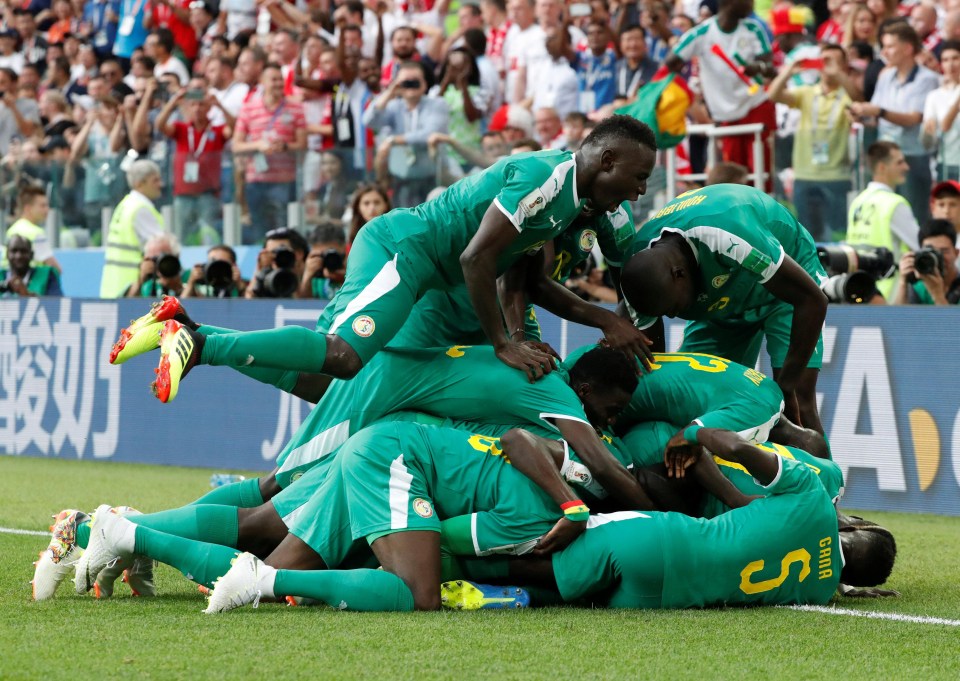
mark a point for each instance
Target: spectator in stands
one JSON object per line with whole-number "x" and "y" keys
{"x": 159, "y": 47}
{"x": 97, "y": 147}
{"x": 636, "y": 68}
{"x": 196, "y": 163}
{"x": 174, "y": 16}
{"x": 655, "y": 19}
{"x": 941, "y": 114}
{"x": 897, "y": 106}
{"x": 513, "y": 121}
{"x": 403, "y": 43}
{"x": 161, "y": 273}
{"x": 19, "y": 117}
{"x": 548, "y": 128}
{"x": 407, "y": 116}
{"x": 821, "y": 164}
{"x": 276, "y": 247}
{"x": 23, "y": 279}
{"x": 726, "y": 172}
{"x": 285, "y": 51}
{"x": 33, "y": 47}
{"x": 730, "y": 100}
{"x": 524, "y": 38}
{"x": 879, "y": 216}
{"x": 369, "y": 201}
{"x": 218, "y": 277}
{"x": 576, "y": 127}
{"x": 525, "y": 146}
{"x": 596, "y": 69}
{"x": 557, "y": 84}
{"x": 31, "y": 225}
{"x": 112, "y": 73}
{"x": 333, "y": 193}
{"x": 945, "y": 202}
{"x": 102, "y": 17}
{"x": 923, "y": 19}
{"x": 466, "y": 101}
{"x": 10, "y": 58}
{"x": 58, "y": 77}
{"x": 324, "y": 269}
{"x": 940, "y": 287}
{"x": 497, "y": 25}
{"x": 490, "y": 81}
{"x": 831, "y": 30}
{"x": 270, "y": 129}
{"x": 135, "y": 220}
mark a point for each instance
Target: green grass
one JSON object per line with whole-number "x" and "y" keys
{"x": 167, "y": 637}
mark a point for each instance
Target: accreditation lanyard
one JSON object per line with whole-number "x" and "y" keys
{"x": 196, "y": 151}
{"x": 634, "y": 81}
{"x": 131, "y": 9}
{"x": 831, "y": 120}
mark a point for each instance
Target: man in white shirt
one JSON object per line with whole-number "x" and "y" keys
{"x": 732, "y": 101}
{"x": 159, "y": 47}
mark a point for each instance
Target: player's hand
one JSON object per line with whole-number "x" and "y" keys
{"x": 560, "y": 536}
{"x": 534, "y": 363}
{"x": 542, "y": 347}
{"x": 680, "y": 454}
{"x": 871, "y": 592}
{"x": 620, "y": 334}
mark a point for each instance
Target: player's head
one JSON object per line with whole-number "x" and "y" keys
{"x": 869, "y": 551}
{"x": 604, "y": 380}
{"x": 659, "y": 281}
{"x": 617, "y": 157}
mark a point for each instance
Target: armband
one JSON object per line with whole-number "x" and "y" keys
{"x": 575, "y": 511}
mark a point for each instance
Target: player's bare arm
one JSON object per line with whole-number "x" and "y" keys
{"x": 479, "y": 263}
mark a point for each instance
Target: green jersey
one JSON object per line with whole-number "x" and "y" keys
{"x": 537, "y": 192}
{"x": 613, "y": 231}
{"x": 462, "y": 382}
{"x": 684, "y": 388}
{"x": 829, "y": 474}
{"x": 739, "y": 236}
{"x": 781, "y": 549}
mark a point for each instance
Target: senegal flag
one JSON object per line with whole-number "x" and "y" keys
{"x": 662, "y": 104}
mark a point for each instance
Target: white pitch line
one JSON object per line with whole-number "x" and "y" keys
{"x": 892, "y": 616}
{"x": 32, "y": 533}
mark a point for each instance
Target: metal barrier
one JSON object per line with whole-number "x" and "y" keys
{"x": 714, "y": 132}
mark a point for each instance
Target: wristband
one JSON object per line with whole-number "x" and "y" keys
{"x": 690, "y": 433}
{"x": 575, "y": 511}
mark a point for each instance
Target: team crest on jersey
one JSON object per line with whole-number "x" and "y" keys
{"x": 533, "y": 203}
{"x": 702, "y": 298}
{"x": 422, "y": 508}
{"x": 364, "y": 326}
{"x": 296, "y": 476}
{"x": 588, "y": 238}
{"x": 720, "y": 280}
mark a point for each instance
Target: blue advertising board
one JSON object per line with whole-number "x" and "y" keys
{"x": 889, "y": 398}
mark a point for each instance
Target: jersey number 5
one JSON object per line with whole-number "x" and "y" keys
{"x": 801, "y": 556}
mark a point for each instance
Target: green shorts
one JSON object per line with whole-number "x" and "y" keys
{"x": 740, "y": 341}
{"x": 382, "y": 285}
{"x": 290, "y": 501}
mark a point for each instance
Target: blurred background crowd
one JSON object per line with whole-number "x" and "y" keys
{"x": 141, "y": 126}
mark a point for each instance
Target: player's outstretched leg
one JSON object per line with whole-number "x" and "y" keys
{"x": 180, "y": 348}
{"x": 58, "y": 560}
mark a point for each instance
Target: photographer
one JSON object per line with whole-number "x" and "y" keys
{"x": 22, "y": 279}
{"x": 280, "y": 265}
{"x": 929, "y": 276}
{"x": 219, "y": 277}
{"x": 160, "y": 270}
{"x": 325, "y": 266}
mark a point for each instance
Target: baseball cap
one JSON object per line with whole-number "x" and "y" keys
{"x": 512, "y": 116}
{"x": 951, "y": 187}
{"x": 54, "y": 142}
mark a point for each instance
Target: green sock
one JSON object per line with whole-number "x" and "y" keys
{"x": 293, "y": 348}
{"x": 278, "y": 378}
{"x": 199, "y": 561}
{"x": 202, "y": 522}
{"x": 83, "y": 534}
{"x": 244, "y": 494}
{"x": 363, "y": 590}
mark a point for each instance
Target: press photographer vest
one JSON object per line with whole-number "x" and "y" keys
{"x": 124, "y": 252}
{"x": 869, "y": 222}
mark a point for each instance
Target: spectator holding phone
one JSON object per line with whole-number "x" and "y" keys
{"x": 821, "y": 163}
{"x": 196, "y": 163}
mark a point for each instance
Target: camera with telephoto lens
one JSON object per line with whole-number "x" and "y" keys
{"x": 332, "y": 261}
{"x": 926, "y": 261}
{"x": 854, "y": 271}
{"x": 218, "y": 275}
{"x": 167, "y": 265}
{"x": 279, "y": 281}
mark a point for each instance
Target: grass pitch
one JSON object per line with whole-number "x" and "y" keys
{"x": 168, "y": 638}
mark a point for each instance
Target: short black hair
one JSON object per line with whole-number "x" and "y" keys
{"x": 605, "y": 368}
{"x": 880, "y": 152}
{"x": 476, "y": 40}
{"x": 354, "y": 6}
{"x": 227, "y": 249}
{"x": 165, "y": 38}
{"x": 937, "y": 228}
{"x": 398, "y": 29}
{"x": 949, "y": 45}
{"x": 870, "y": 559}
{"x": 634, "y": 27}
{"x": 617, "y": 129}
{"x": 297, "y": 242}
{"x": 327, "y": 232}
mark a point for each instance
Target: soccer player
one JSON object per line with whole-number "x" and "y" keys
{"x": 469, "y": 234}
{"x": 390, "y": 487}
{"x": 739, "y": 267}
{"x": 696, "y": 389}
{"x": 788, "y": 547}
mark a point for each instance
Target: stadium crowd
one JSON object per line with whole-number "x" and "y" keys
{"x": 318, "y": 116}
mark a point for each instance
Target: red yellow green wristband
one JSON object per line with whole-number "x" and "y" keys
{"x": 575, "y": 511}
